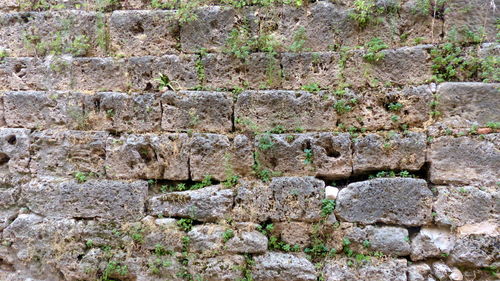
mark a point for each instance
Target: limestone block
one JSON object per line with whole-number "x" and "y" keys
{"x": 223, "y": 268}
{"x": 431, "y": 242}
{"x": 99, "y": 74}
{"x": 14, "y": 154}
{"x": 391, "y": 269}
{"x": 282, "y": 267}
{"x": 305, "y": 68}
{"x": 389, "y": 240}
{"x": 206, "y": 237}
{"x": 252, "y": 201}
{"x": 247, "y": 242}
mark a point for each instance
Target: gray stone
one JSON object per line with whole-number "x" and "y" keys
{"x": 474, "y": 16}
{"x": 293, "y": 233}
{"x": 220, "y": 268}
{"x": 464, "y": 160}
{"x": 64, "y": 153}
{"x": 99, "y": 74}
{"x": 304, "y": 68}
{"x": 148, "y": 156}
{"x": 209, "y": 30}
{"x": 252, "y": 201}
{"x": 247, "y": 242}
{"x": 456, "y": 206}
{"x": 391, "y": 269}
{"x": 14, "y": 154}
{"x": 219, "y": 157}
{"x": 207, "y": 204}
{"x": 139, "y": 33}
{"x": 389, "y": 240}
{"x": 441, "y": 270}
{"x": 206, "y": 238}
{"x": 144, "y": 72}
{"x": 469, "y": 103}
{"x": 403, "y": 201}
{"x": 392, "y": 152}
{"x": 328, "y": 155}
{"x": 57, "y": 197}
{"x": 260, "y": 111}
{"x": 418, "y": 272}
{"x": 121, "y": 112}
{"x": 416, "y": 103}
{"x": 431, "y": 242}
{"x": 274, "y": 266}
{"x": 42, "y": 110}
{"x": 199, "y": 111}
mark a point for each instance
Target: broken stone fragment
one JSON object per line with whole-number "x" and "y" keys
{"x": 402, "y": 201}
{"x": 431, "y": 242}
{"x": 331, "y": 192}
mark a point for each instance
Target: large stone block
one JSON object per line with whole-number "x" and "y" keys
{"x": 301, "y": 69}
{"x": 252, "y": 201}
{"x": 325, "y": 155}
{"x": 198, "y": 111}
{"x": 219, "y": 157}
{"x": 121, "y": 112}
{"x": 457, "y": 206}
{"x": 14, "y": 154}
{"x": 282, "y": 267}
{"x": 42, "y": 110}
{"x": 394, "y": 151}
{"x": 99, "y": 74}
{"x": 389, "y": 240}
{"x": 148, "y": 156}
{"x": 144, "y": 72}
{"x": 49, "y": 73}
{"x": 402, "y": 201}
{"x": 207, "y": 204}
{"x": 403, "y": 66}
{"x": 377, "y": 269}
{"x": 290, "y": 110}
{"x": 431, "y": 242}
{"x": 206, "y": 238}
{"x": 54, "y": 32}
{"x": 464, "y": 160}
{"x": 247, "y": 242}
{"x": 220, "y": 268}
{"x": 209, "y": 30}
{"x": 92, "y": 199}
{"x": 467, "y": 104}
{"x": 64, "y": 153}
{"x": 142, "y": 33}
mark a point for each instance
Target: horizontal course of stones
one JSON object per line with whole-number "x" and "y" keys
{"x": 91, "y": 142}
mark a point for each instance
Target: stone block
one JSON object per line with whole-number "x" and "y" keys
{"x": 198, "y": 111}
{"x": 305, "y": 68}
{"x": 206, "y": 238}
{"x": 390, "y": 240}
{"x": 148, "y": 156}
{"x": 252, "y": 201}
{"x": 219, "y": 157}
{"x": 377, "y": 269}
{"x": 402, "y": 201}
{"x": 223, "y": 268}
{"x": 99, "y": 74}
{"x": 247, "y": 242}
{"x": 431, "y": 242}
{"x": 141, "y": 33}
{"x": 14, "y": 154}
{"x": 324, "y": 155}
{"x": 282, "y": 267}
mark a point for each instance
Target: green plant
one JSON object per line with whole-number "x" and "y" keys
{"x": 308, "y": 154}
{"x": 327, "y": 207}
{"x": 81, "y": 177}
{"x": 207, "y": 181}
{"x": 493, "y": 125}
{"x": 164, "y": 82}
{"x": 113, "y": 268}
{"x": 265, "y": 142}
{"x": 365, "y": 12}
{"x": 265, "y": 228}
{"x": 3, "y": 54}
{"x": 395, "y": 106}
{"x": 342, "y": 106}
{"x": 311, "y": 87}
{"x": 278, "y": 129}
{"x": 185, "y": 224}
{"x": 228, "y": 234}
{"x": 367, "y": 243}
{"x": 89, "y": 243}
{"x": 299, "y": 40}
{"x": 231, "y": 181}
{"x": 373, "y": 50}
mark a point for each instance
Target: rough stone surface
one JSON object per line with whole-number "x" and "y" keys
{"x": 391, "y": 152}
{"x": 247, "y": 242}
{"x": 389, "y": 240}
{"x": 393, "y": 269}
{"x": 206, "y": 238}
{"x": 419, "y": 272}
{"x": 148, "y": 156}
{"x": 281, "y": 267}
{"x": 14, "y": 154}
{"x": 325, "y": 155}
{"x": 200, "y": 111}
{"x": 305, "y": 68}
{"x": 223, "y": 268}
{"x": 431, "y": 242}
{"x": 402, "y": 201}
{"x": 206, "y": 204}
{"x": 265, "y": 110}
{"x": 252, "y": 201}
{"x": 92, "y": 199}
{"x": 101, "y": 74}
{"x": 464, "y": 160}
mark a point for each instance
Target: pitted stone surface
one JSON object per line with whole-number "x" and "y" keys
{"x": 403, "y": 201}
{"x": 392, "y": 269}
{"x": 431, "y": 242}
{"x": 14, "y": 154}
{"x": 282, "y": 267}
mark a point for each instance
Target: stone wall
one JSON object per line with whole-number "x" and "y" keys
{"x": 249, "y": 140}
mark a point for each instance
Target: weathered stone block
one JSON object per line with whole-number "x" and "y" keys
{"x": 144, "y": 72}
{"x": 92, "y": 199}
{"x": 121, "y": 112}
{"x": 417, "y": 23}
{"x": 49, "y": 73}
{"x": 464, "y": 160}
{"x": 476, "y": 245}
{"x": 39, "y": 110}
{"x": 247, "y": 242}
{"x": 209, "y": 31}
{"x": 55, "y": 32}
{"x": 392, "y": 269}
{"x": 300, "y": 69}
{"x": 14, "y": 154}
{"x": 199, "y": 111}
{"x": 99, "y": 74}
{"x": 419, "y": 272}
{"x": 282, "y": 267}
{"x": 394, "y": 151}
{"x": 469, "y": 103}
{"x": 63, "y": 153}
{"x": 220, "y": 268}
{"x": 457, "y": 206}
{"x": 389, "y": 240}
{"x": 403, "y": 66}
{"x": 206, "y": 238}
{"x": 416, "y": 105}
{"x": 325, "y": 155}
{"x": 142, "y": 33}
{"x": 252, "y": 201}
{"x": 206, "y": 204}
{"x": 148, "y": 156}
{"x": 403, "y": 201}
{"x": 219, "y": 157}
{"x": 293, "y": 233}
{"x": 265, "y": 110}
{"x": 431, "y": 242}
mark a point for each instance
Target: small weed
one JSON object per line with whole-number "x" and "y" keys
{"x": 395, "y": 106}
{"x": 311, "y": 87}
{"x": 308, "y": 154}
{"x": 185, "y": 224}
{"x": 228, "y": 234}
{"x": 299, "y": 40}
{"x": 373, "y": 50}
{"x": 164, "y": 82}
{"x": 327, "y": 207}
{"x": 81, "y": 177}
